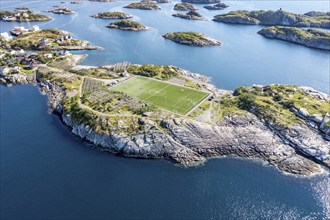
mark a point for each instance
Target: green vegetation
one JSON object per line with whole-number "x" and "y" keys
{"x": 192, "y": 39}
{"x": 278, "y": 17}
{"x": 273, "y": 103}
{"x": 32, "y": 40}
{"x": 104, "y": 100}
{"x": 139, "y": 5}
{"x": 101, "y": 73}
{"x": 184, "y": 7}
{"x": 186, "y": 36}
{"x": 113, "y": 15}
{"x": 127, "y": 25}
{"x": 90, "y": 85}
{"x": 191, "y": 15}
{"x": 296, "y": 33}
{"x": 31, "y": 16}
{"x": 154, "y": 71}
{"x": 167, "y": 96}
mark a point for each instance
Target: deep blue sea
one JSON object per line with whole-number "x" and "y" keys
{"x": 47, "y": 173}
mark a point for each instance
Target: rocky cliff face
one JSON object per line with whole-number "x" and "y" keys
{"x": 309, "y": 38}
{"x": 270, "y": 17}
{"x": 297, "y": 150}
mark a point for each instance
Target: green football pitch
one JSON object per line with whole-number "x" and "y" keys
{"x": 174, "y": 98}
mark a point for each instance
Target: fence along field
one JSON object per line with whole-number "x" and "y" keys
{"x": 90, "y": 85}
{"x": 174, "y": 98}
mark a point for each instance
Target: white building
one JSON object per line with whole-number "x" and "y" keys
{"x": 4, "y": 70}
{"x": 5, "y": 36}
{"x": 35, "y": 28}
{"x": 16, "y": 69}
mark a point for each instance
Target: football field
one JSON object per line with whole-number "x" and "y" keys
{"x": 174, "y": 98}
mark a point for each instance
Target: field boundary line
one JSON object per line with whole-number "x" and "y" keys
{"x": 203, "y": 100}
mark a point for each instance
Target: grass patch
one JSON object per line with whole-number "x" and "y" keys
{"x": 167, "y": 96}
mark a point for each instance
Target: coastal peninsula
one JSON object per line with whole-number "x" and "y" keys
{"x": 49, "y": 39}
{"x": 279, "y": 17}
{"x": 312, "y": 38}
{"x": 112, "y": 15}
{"x": 192, "y": 39}
{"x": 127, "y": 25}
{"x": 285, "y": 125}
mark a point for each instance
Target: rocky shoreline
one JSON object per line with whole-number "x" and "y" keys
{"x": 191, "y": 15}
{"x": 127, "y": 25}
{"x": 310, "y": 38}
{"x": 270, "y": 18}
{"x": 300, "y": 149}
{"x": 192, "y": 39}
{"x": 112, "y": 15}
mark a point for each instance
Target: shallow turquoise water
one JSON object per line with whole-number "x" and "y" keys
{"x": 46, "y": 173}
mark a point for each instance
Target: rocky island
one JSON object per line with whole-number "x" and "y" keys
{"x": 191, "y": 15}
{"x": 184, "y": 7}
{"x": 270, "y": 17}
{"x": 61, "y": 10}
{"x": 219, "y": 6}
{"x": 112, "y": 15}
{"x": 49, "y": 39}
{"x": 201, "y": 1}
{"x": 142, "y": 6}
{"x": 127, "y": 25}
{"x": 102, "y": 0}
{"x": 25, "y": 15}
{"x": 284, "y": 125}
{"x": 192, "y": 39}
{"x": 312, "y": 38}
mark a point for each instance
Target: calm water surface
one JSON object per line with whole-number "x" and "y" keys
{"x": 46, "y": 173}
{"x": 245, "y": 58}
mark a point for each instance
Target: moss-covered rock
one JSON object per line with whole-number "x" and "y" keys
{"x": 112, "y": 15}
{"x": 219, "y": 6}
{"x": 127, "y": 25}
{"x": 191, "y": 15}
{"x": 184, "y": 7}
{"x": 192, "y": 39}
{"x": 143, "y": 6}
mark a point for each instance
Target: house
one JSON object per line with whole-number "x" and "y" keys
{"x": 18, "y": 31}
{"x": 21, "y": 51}
{"x": 113, "y": 82}
{"x": 125, "y": 74}
{"x": 5, "y": 36}
{"x": 35, "y": 28}
{"x": 16, "y": 69}
{"x": 48, "y": 55}
{"x": 25, "y": 15}
{"x": 4, "y": 70}
{"x": 9, "y": 18}
{"x": 44, "y": 42}
{"x": 64, "y": 53}
{"x": 13, "y": 52}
